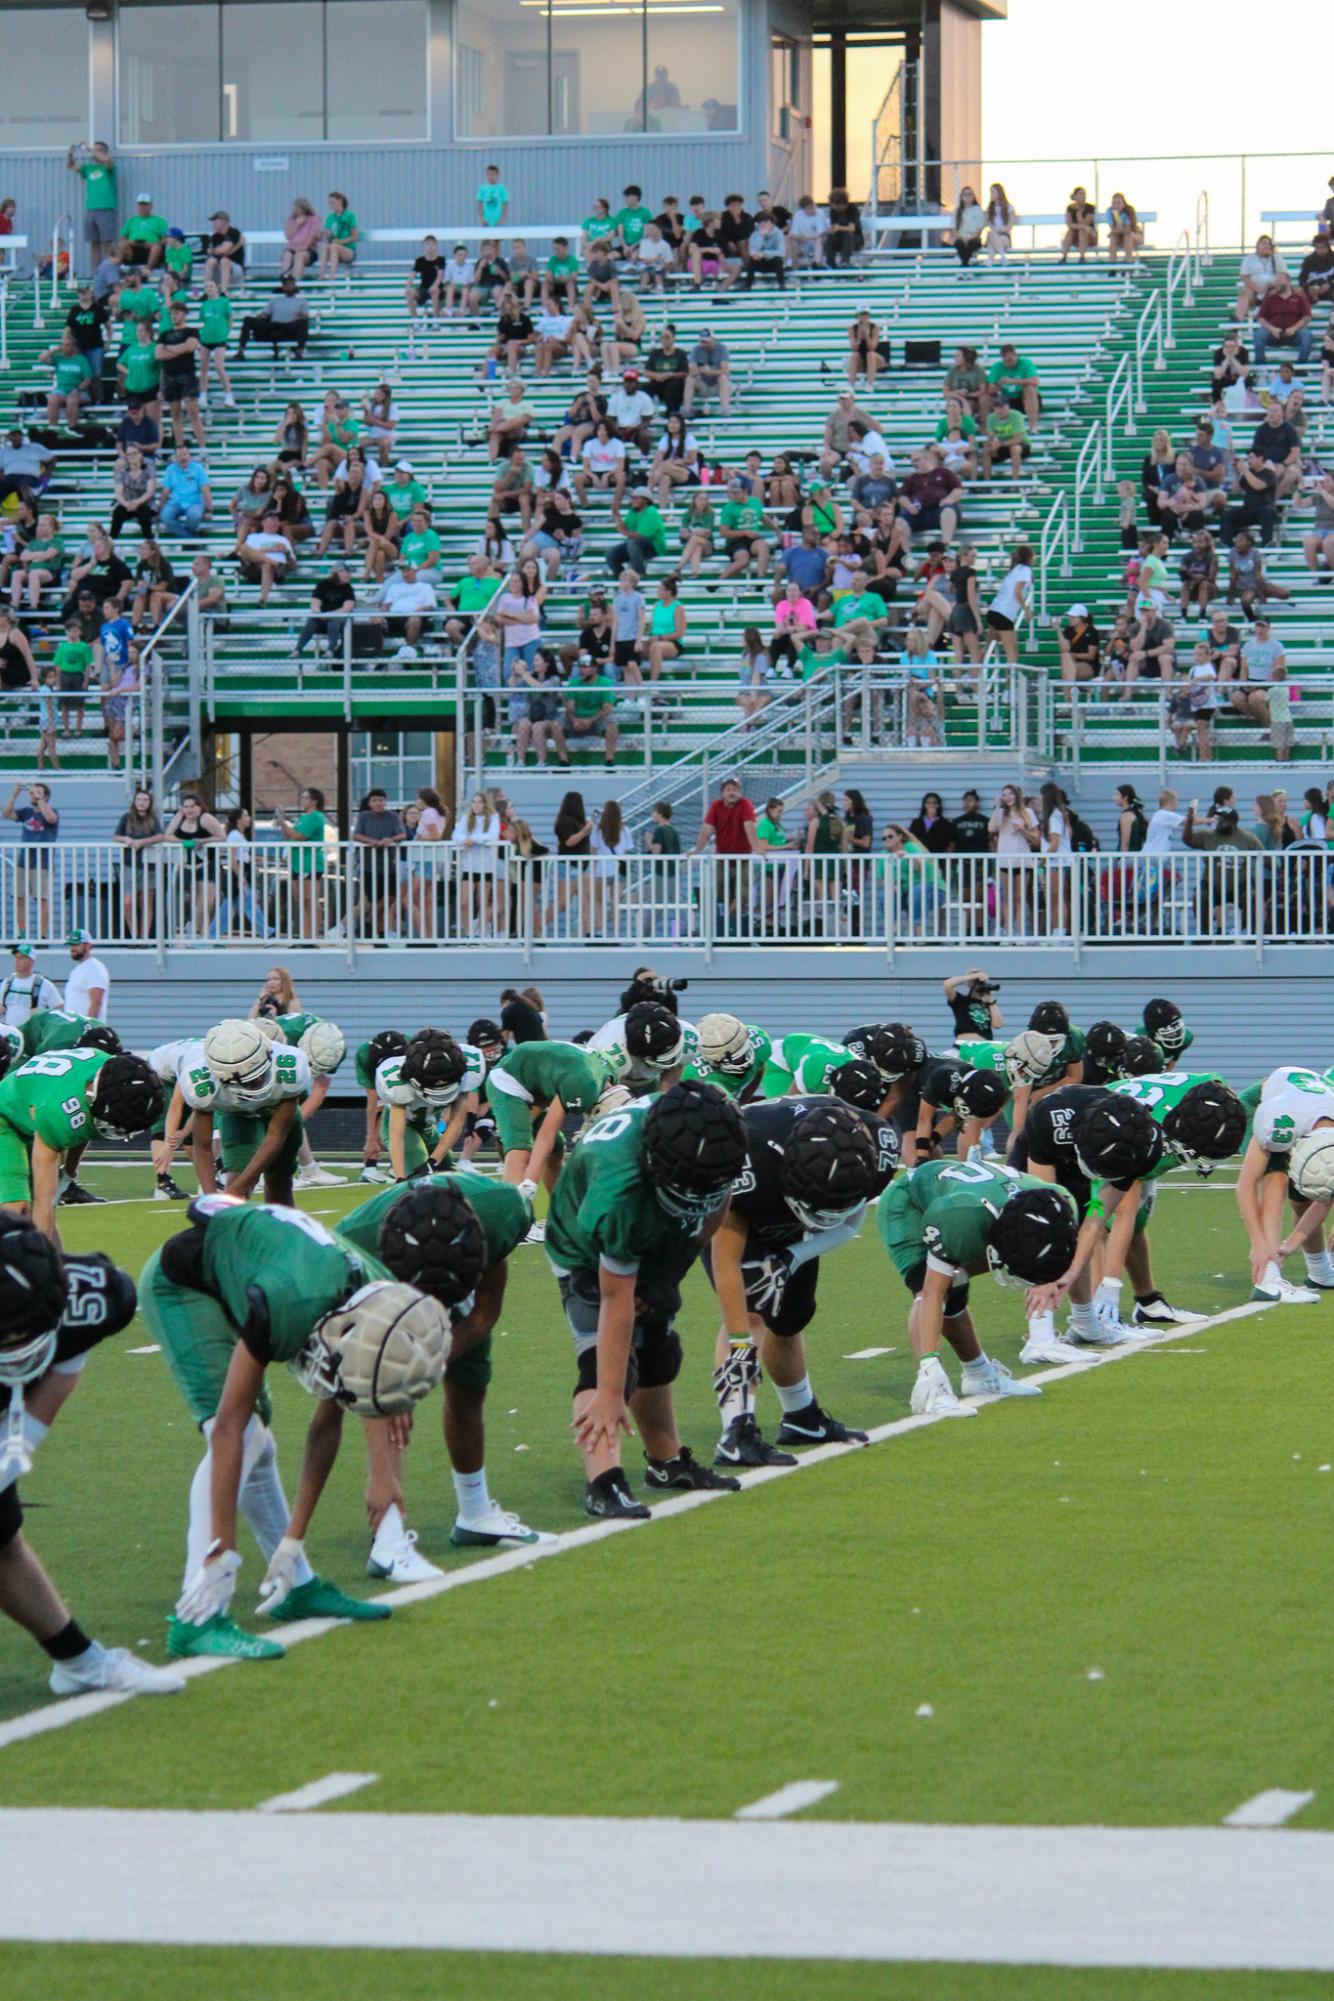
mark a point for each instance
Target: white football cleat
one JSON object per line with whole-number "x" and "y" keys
{"x": 370, "y": 1172}
{"x": 112, "y": 1668}
{"x": 932, "y": 1394}
{"x": 1275, "y": 1290}
{"x": 985, "y": 1378}
{"x": 537, "y": 1234}
{"x": 1044, "y": 1347}
{"x": 493, "y": 1528}
{"x": 400, "y": 1562}
{"x": 316, "y": 1176}
{"x": 1106, "y": 1329}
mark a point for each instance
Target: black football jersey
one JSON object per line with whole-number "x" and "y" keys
{"x": 102, "y": 1301}
{"x": 757, "y": 1193}
{"x": 941, "y": 1079}
{"x": 1047, "y": 1139}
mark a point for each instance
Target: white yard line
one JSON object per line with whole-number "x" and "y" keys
{"x": 1269, "y": 1809}
{"x": 788, "y": 1800}
{"x": 866, "y": 1354}
{"x": 1205, "y": 1898}
{"x": 336, "y": 1786}
{"x": 57, "y": 1715}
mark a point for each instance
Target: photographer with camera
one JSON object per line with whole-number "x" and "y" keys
{"x": 646, "y": 985}
{"x": 972, "y": 1002}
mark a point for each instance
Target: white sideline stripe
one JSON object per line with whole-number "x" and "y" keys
{"x": 1269, "y": 1809}
{"x": 319, "y": 1792}
{"x": 1207, "y": 1898}
{"x": 866, "y": 1354}
{"x": 56, "y": 1715}
{"x": 788, "y": 1799}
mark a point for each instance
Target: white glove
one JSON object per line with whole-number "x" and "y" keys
{"x": 19, "y": 1440}
{"x": 280, "y": 1578}
{"x": 528, "y": 1190}
{"x": 210, "y": 1590}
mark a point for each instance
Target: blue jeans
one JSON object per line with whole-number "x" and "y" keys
{"x": 181, "y": 518}
{"x": 1264, "y": 340}
{"x": 245, "y": 904}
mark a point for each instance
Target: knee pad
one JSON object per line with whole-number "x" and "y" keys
{"x": 660, "y": 1358}
{"x": 181, "y": 1258}
{"x": 587, "y": 1378}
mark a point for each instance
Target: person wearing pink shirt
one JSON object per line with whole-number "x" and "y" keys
{"x": 794, "y": 620}
{"x": 302, "y": 231}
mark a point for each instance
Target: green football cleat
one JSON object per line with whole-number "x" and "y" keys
{"x": 318, "y": 1599}
{"x": 219, "y": 1636}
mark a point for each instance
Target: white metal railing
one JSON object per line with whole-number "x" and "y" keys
{"x": 1088, "y": 473}
{"x": 340, "y": 896}
{"x": 1148, "y": 334}
{"x": 1118, "y": 400}
{"x": 1054, "y": 540}
{"x": 1181, "y": 276}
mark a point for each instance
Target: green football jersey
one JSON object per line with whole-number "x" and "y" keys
{"x": 362, "y": 1067}
{"x": 294, "y": 1026}
{"x": 940, "y": 1213}
{"x": 52, "y": 1028}
{"x": 538, "y": 1072}
{"x": 983, "y": 1055}
{"x": 504, "y": 1215}
{"x": 604, "y": 1210}
{"x": 291, "y": 1258}
{"x": 422, "y": 1118}
{"x": 797, "y": 1057}
{"x": 49, "y": 1097}
{"x": 1162, "y": 1091}
{"x": 761, "y": 1051}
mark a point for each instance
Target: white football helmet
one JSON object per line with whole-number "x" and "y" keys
{"x": 240, "y": 1058}
{"x": 1311, "y": 1166}
{"x": 11, "y": 1049}
{"x": 380, "y": 1352}
{"x": 324, "y": 1046}
{"x": 266, "y": 1025}
{"x": 1029, "y": 1057}
{"x": 724, "y": 1044}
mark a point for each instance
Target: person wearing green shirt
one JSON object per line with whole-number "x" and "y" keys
{"x": 1006, "y": 436}
{"x": 741, "y": 524}
{"x": 470, "y": 596}
{"x": 403, "y": 492}
{"x": 421, "y": 547}
{"x": 307, "y": 859}
{"x": 240, "y": 1291}
{"x": 643, "y": 534}
{"x": 561, "y": 275}
{"x": 338, "y": 247}
{"x": 215, "y": 326}
{"x": 644, "y": 1188}
{"x": 907, "y": 882}
{"x": 73, "y": 664}
{"x": 962, "y": 422}
{"x": 1015, "y": 376}
{"x": 138, "y": 301}
{"x": 590, "y": 710}
{"x": 819, "y": 652}
{"x": 493, "y": 198}
{"x": 733, "y": 1056}
{"x": 860, "y": 603}
{"x": 146, "y": 234}
{"x": 101, "y": 201}
{"x": 52, "y": 1105}
{"x": 180, "y": 259}
{"x": 944, "y": 1223}
{"x": 139, "y": 368}
{"x": 599, "y": 227}
{"x": 550, "y": 1078}
{"x": 56, "y": 1028}
{"x": 631, "y": 219}
{"x": 72, "y": 374}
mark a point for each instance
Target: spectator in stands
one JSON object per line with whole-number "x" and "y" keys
{"x": 25, "y": 466}
{"x": 138, "y": 427}
{"x": 513, "y": 491}
{"x": 339, "y": 237}
{"x": 653, "y": 259}
{"x": 1224, "y": 642}
{"x": 87, "y": 320}
{"x": 286, "y": 322}
{"x": 837, "y": 435}
{"x": 557, "y": 537}
{"x": 1231, "y": 366}
{"x": 96, "y": 168}
{"x": 766, "y": 253}
{"x": 145, "y": 235}
{"x": 1257, "y": 484}
{"x": 1156, "y": 475}
{"x": 1209, "y": 461}
{"x": 405, "y": 606}
{"x": 301, "y": 237}
{"x": 155, "y": 588}
{"x": 1080, "y": 645}
{"x": 380, "y": 833}
{"x": 845, "y": 240}
{"x": 72, "y": 386}
{"x": 970, "y": 219}
{"x": 560, "y": 278}
{"x": 929, "y": 496}
{"x": 755, "y": 674}
{"x": 665, "y": 371}
{"x": 39, "y": 566}
{"x": 1316, "y": 276}
{"x": 808, "y": 233}
{"x": 332, "y": 600}
{"x": 225, "y": 259}
{"x": 18, "y": 670}
{"x": 735, "y": 228}
{"x": 1001, "y": 219}
{"x": 178, "y": 351}
{"x": 138, "y": 830}
{"x": 1283, "y": 319}
{"x": 742, "y": 524}
{"x": 515, "y": 332}
{"x": 630, "y": 411}
{"x": 870, "y": 490}
{"x": 1199, "y": 574}
{"x": 1124, "y": 234}
{"x": 192, "y": 829}
{"x": 1015, "y": 377}
{"x": 1186, "y": 504}
{"x": 676, "y": 461}
{"x": 1012, "y": 602}
{"x": 1006, "y": 436}
{"x": 643, "y": 534}
{"x": 518, "y": 611}
{"x": 1015, "y": 837}
{"x": 266, "y": 557}
{"x": 97, "y": 568}
{"x": 457, "y": 289}
{"x": 1278, "y": 442}
{"x": 426, "y": 279}
{"x": 590, "y": 711}
{"x": 867, "y": 354}
{"x": 1260, "y": 268}
{"x": 602, "y": 464}
{"x": 508, "y": 423}
{"x": 188, "y": 496}
{"x": 1260, "y": 656}
{"x": 956, "y": 436}
{"x": 1248, "y": 582}
{"x": 729, "y": 823}
{"x": 1152, "y": 645}
{"x": 135, "y": 488}
{"x": 966, "y": 379}
{"x": 1318, "y": 546}
{"x": 1081, "y": 225}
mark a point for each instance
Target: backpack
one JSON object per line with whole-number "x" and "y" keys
{"x": 1083, "y": 840}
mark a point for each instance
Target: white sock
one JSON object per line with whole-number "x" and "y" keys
{"x": 1272, "y": 1277}
{"x": 392, "y": 1530}
{"x": 1109, "y": 1294}
{"x": 1042, "y": 1327}
{"x": 473, "y": 1497}
{"x": 264, "y": 1504}
{"x": 795, "y": 1396}
{"x": 306, "y": 1157}
{"x": 1082, "y": 1315}
{"x": 1317, "y": 1264}
{"x": 975, "y": 1367}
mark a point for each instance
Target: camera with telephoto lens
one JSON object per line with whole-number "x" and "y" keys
{"x": 662, "y": 986}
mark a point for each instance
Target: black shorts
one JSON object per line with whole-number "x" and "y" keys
{"x": 999, "y": 622}
{"x": 180, "y": 388}
{"x": 624, "y": 651}
{"x": 11, "y": 1516}
{"x": 956, "y": 1299}
{"x": 137, "y": 253}
{"x": 782, "y": 1298}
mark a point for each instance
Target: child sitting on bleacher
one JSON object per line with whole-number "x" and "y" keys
{"x": 1194, "y": 708}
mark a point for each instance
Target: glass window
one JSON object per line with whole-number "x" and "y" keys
{"x": 376, "y": 70}
{"x": 597, "y": 68}
{"x": 272, "y": 71}
{"x": 44, "y": 61}
{"x": 500, "y": 58}
{"x": 692, "y": 66}
{"x": 169, "y": 74}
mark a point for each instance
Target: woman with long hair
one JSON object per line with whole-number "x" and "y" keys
{"x": 238, "y": 898}
{"x": 1054, "y": 820}
{"x": 1015, "y": 837}
{"x": 574, "y": 833}
{"x": 610, "y": 841}
{"x": 1124, "y": 234}
{"x": 970, "y": 219}
{"x": 1132, "y": 821}
{"x": 756, "y": 672}
{"x": 1001, "y": 219}
{"x": 477, "y": 836}
{"x": 425, "y": 860}
{"x": 136, "y": 831}
{"x": 380, "y": 525}
{"x": 276, "y": 996}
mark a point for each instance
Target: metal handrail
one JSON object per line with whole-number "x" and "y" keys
{"x": 1203, "y": 255}
{"x": 1088, "y": 472}
{"x": 182, "y": 607}
{"x": 1118, "y": 399}
{"x": 1055, "y": 535}
{"x": 1179, "y": 273}
{"x": 1148, "y": 331}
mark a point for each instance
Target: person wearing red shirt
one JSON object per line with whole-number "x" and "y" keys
{"x": 730, "y": 825}
{"x": 1285, "y": 320}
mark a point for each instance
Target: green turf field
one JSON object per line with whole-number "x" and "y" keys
{"x": 1088, "y": 1591}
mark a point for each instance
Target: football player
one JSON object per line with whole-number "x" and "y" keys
{"x": 963, "y": 1100}
{"x": 732, "y": 1056}
{"x": 243, "y": 1288}
{"x": 479, "y": 1129}
{"x": 649, "y": 1046}
{"x": 1028, "y": 1062}
{"x": 1311, "y": 1180}
{"x": 254, "y": 1087}
{"x": 53, "y": 1312}
{"x": 1165, "y": 1025}
{"x": 415, "y": 1089}
{"x": 531, "y": 1091}
{"x": 370, "y": 1055}
{"x": 1051, "y": 1017}
{"x": 52, "y": 1106}
{"x": 1141, "y": 1057}
{"x": 1285, "y": 1107}
{"x": 55, "y": 1028}
{"x": 171, "y": 1128}
{"x": 324, "y": 1046}
{"x": 643, "y": 1190}
{"x": 420, "y": 1234}
{"x": 806, "y": 1064}
{"x": 1103, "y": 1047}
{"x": 941, "y": 1225}
{"x": 813, "y": 1164}
{"x": 1077, "y": 1136}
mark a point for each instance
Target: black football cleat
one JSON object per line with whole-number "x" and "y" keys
{"x": 609, "y": 1499}
{"x": 743, "y": 1444}
{"x": 813, "y": 1426}
{"x": 685, "y": 1474}
{"x": 75, "y": 1193}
